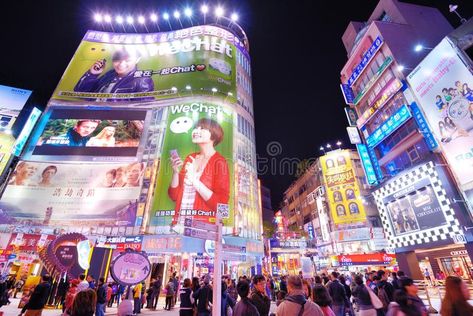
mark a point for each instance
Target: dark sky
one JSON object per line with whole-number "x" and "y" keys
{"x": 296, "y": 51}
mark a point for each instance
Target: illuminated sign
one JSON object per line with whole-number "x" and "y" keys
{"x": 25, "y": 132}
{"x": 353, "y": 135}
{"x": 424, "y": 128}
{"x": 348, "y": 94}
{"x": 370, "y": 173}
{"x": 366, "y": 259}
{"x": 389, "y": 91}
{"x": 365, "y": 60}
{"x": 373, "y": 79}
{"x": 389, "y": 126}
{"x": 352, "y": 117}
{"x": 12, "y": 99}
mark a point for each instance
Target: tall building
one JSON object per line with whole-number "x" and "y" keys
{"x": 146, "y": 137}
{"x": 266, "y": 207}
{"x": 411, "y": 183}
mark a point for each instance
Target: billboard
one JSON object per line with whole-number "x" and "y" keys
{"x": 195, "y": 172}
{"x": 83, "y": 132}
{"x": 72, "y": 195}
{"x": 342, "y": 187}
{"x": 113, "y": 67}
{"x": 6, "y": 146}
{"x": 443, "y": 86}
{"x": 12, "y": 100}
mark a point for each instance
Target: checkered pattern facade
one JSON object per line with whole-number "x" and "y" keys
{"x": 450, "y": 230}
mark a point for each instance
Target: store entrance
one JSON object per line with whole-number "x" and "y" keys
{"x": 460, "y": 266}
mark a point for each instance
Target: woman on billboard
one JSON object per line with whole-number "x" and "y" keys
{"x": 202, "y": 181}
{"x": 106, "y": 138}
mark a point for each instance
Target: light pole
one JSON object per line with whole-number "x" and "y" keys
{"x": 217, "y": 281}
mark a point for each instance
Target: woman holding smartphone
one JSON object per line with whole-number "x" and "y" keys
{"x": 202, "y": 180}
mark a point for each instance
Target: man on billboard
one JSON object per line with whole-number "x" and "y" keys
{"x": 202, "y": 181}
{"x": 120, "y": 79}
{"x": 78, "y": 135}
{"x": 23, "y": 174}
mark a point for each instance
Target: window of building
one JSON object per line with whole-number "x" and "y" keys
{"x": 411, "y": 157}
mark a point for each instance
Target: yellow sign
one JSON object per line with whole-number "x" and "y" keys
{"x": 343, "y": 190}
{"x": 6, "y": 145}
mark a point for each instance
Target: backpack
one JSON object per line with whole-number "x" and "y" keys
{"x": 383, "y": 297}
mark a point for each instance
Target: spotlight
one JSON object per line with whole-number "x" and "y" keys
{"x": 204, "y": 9}
{"x": 219, "y": 12}
{"x": 188, "y": 87}
{"x": 107, "y": 18}
{"x": 153, "y": 17}
{"x": 119, "y": 19}
{"x": 234, "y": 17}
{"x": 174, "y": 89}
{"x": 176, "y": 14}
{"x": 166, "y": 16}
{"x": 129, "y": 19}
{"x": 400, "y": 68}
{"x": 98, "y": 17}
{"x": 214, "y": 90}
{"x": 141, "y": 19}
{"x": 188, "y": 12}
{"x": 418, "y": 48}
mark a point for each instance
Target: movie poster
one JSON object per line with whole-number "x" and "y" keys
{"x": 194, "y": 177}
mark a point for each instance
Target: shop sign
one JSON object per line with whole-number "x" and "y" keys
{"x": 354, "y": 135}
{"x": 352, "y": 117}
{"x": 365, "y": 60}
{"x": 62, "y": 253}
{"x": 459, "y": 253}
{"x": 424, "y": 128}
{"x": 120, "y": 242}
{"x": 289, "y": 243}
{"x": 348, "y": 94}
{"x": 389, "y": 126}
{"x": 351, "y": 234}
{"x": 366, "y": 259}
{"x": 162, "y": 244}
{"x": 29, "y": 242}
{"x": 130, "y": 268}
{"x": 370, "y": 173}
{"x": 389, "y": 91}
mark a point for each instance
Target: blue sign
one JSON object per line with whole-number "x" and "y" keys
{"x": 365, "y": 60}
{"x": 310, "y": 230}
{"x": 374, "y": 161}
{"x": 348, "y": 94}
{"x": 352, "y": 117}
{"x": 370, "y": 173}
{"x": 26, "y": 131}
{"x": 389, "y": 126}
{"x": 424, "y": 128}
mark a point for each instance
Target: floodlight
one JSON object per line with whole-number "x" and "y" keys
{"x": 204, "y": 9}
{"x": 153, "y": 17}
{"x": 107, "y": 18}
{"x": 141, "y": 19}
{"x": 129, "y": 19}
{"x": 188, "y": 12}
{"x": 166, "y": 16}
{"x": 177, "y": 14}
{"x": 98, "y": 17}
{"x": 219, "y": 12}
{"x": 119, "y": 19}
{"x": 234, "y": 17}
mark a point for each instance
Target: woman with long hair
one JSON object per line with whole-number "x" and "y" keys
{"x": 84, "y": 303}
{"x": 106, "y": 138}
{"x": 362, "y": 298}
{"x": 322, "y": 298}
{"x": 455, "y": 302}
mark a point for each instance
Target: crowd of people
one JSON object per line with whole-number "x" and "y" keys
{"x": 375, "y": 293}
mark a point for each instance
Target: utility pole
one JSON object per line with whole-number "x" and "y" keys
{"x": 217, "y": 281}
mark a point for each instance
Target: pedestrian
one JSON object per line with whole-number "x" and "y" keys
{"x": 258, "y": 295}
{"x": 156, "y": 291}
{"x": 231, "y": 290}
{"x": 244, "y": 307}
{"x": 283, "y": 284}
{"x": 83, "y": 284}
{"x": 307, "y": 289}
{"x": 101, "y": 297}
{"x": 187, "y": 301}
{"x": 39, "y": 297}
{"x": 416, "y": 303}
{"x": 71, "y": 293}
{"x": 363, "y": 298}
{"x": 385, "y": 290}
{"x": 338, "y": 295}
{"x": 137, "y": 298}
{"x": 295, "y": 303}
{"x": 227, "y": 303}
{"x": 455, "y": 301}
{"x": 272, "y": 287}
{"x": 400, "y": 306}
{"x": 395, "y": 280}
{"x": 169, "y": 294}
{"x": 321, "y": 297}
{"x": 109, "y": 296}
{"x": 84, "y": 303}
{"x": 91, "y": 281}
{"x": 114, "y": 287}
{"x": 121, "y": 291}
{"x": 427, "y": 276}
{"x": 18, "y": 286}
{"x": 203, "y": 295}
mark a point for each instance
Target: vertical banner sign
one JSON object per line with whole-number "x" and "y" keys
{"x": 365, "y": 60}
{"x": 199, "y": 136}
{"x": 424, "y": 128}
{"x": 443, "y": 86}
{"x": 348, "y": 94}
{"x": 370, "y": 173}
{"x": 342, "y": 187}
{"x": 352, "y": 117}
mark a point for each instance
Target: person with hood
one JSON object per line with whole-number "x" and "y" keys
{"x": 295, "y": 303}
{"x": 258, "y": 295}
{"x": 244, "y": 307}
{"x": 203, "y": 296}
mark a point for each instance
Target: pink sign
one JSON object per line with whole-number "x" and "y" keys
{"x": 130, "y": 268}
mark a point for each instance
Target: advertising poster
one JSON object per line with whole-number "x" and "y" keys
{"x": 82, "y": 133}
{"x": 71, "y": 196}
{"x": 113, "y": 67}
{"x": 194, "y": 177}
{"x": 6, "y": 146}
{"x": 443, "y": 86}
{"x": 130, "y": 268}
{"x": 342, "y": 187}
{"x": 414, "y": 208}
{"x": 12, "y": 100}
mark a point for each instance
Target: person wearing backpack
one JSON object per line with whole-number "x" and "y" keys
{"x": 244, "y": 307}
{"x": 203, "y": 295}
{"x": 362, "y": 298}
{"x": 169, "y": 294}
{"x": 295, "y": 304}
{"x": 338, "y": 294}
{"x": 385, "y": 290}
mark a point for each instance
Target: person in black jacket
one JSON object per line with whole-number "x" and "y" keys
{"x": 385, "y": 290}
{"x": 204, "y": 296}
{"x": 258, "y": 295}
{"x": 187, "y": 301}
{"x": 101, "y": 298}
{"x": 338, "y": 294}
{"x": 244, "y": 307}
{"x": 39, "y": 297}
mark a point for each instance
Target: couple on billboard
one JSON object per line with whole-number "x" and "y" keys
{"x": 202, "y": 181}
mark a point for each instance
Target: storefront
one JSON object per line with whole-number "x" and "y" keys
{"x": 451, "y": 260}
{"x": 363, "y": 262}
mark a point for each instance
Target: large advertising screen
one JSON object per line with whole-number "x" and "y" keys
{"x": 72, "y": 195}
{"x": 342, "y": 187}
{"x": 113, "y": 67}
{"x": 81, "y": 132}
{"x": 12, "y": 100}
{"x": 194, "y": 177}
{"x": 414, "y": 208}
{"x": 443, "y": 86}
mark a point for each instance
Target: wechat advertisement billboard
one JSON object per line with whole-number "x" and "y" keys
{"x": 195, "y": 170}
{"x": 113, "y": 67}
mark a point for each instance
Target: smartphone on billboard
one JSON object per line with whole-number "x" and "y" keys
{"x": 97, "y": 67}
{"x": 174, "y": 154}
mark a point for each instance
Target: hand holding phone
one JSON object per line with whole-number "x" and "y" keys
{"x": 176, "y": 161}
{"x": 98, "y": 67}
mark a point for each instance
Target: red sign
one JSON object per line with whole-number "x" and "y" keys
{"x": 29, "y": 242}
{"x": 366, "y": 259}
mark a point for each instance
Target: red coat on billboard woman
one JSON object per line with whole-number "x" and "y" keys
{"x": 203, "y": 180}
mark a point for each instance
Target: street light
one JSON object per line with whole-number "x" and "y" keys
{"x": 219, "y": 12}
{"x": 98, "y": 17}
{"x": 204, "y": 9}
{"x": 322, "y": 149}
{"x": 339, "y": 143}
{"x": 188, "y": 14}
{"x": 234, "y": 17}
{"x": 328, "y": 146}
{"x": 453, "y": 8}
{"x": 154, "y": 18}
{"x": 420, "y": 47}
{"x": 166, "y": 18}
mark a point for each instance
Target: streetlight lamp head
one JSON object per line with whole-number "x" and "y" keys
{"x": 154, "y": 17}
{"x": 339, "y": 143}
{"x": 204, "y": 9}
{"x": 452, "y": 7}
{"x": 400, "y": 68}
{"x": 177, "y": 14}
{"x": 141, "y": 19}
{"x": 166, "y": 16}
{"x": 234, "y": 17}
{"x": 321, "y": 148}
{"x": 214, "y": 90}
{"x": 219, "y": 12}
{"x": 418, "y": 48}
{"x": 129, "y": 19}
{"x": 188, "y": 12}
{"x": 188, "y": 87}
{"x": 107, "y": 18}
{"x": 98, "y": 17}
{"x": 174, "y": 89}
{"x": 329, "y": 146}
{"x": 119, "y": 19}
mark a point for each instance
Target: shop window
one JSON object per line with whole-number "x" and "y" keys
{"x": 413, "y": 154}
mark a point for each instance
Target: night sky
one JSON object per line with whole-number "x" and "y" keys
{"x": 296, "y": 51}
